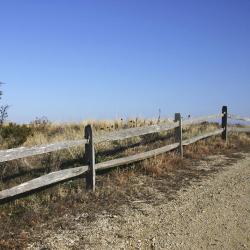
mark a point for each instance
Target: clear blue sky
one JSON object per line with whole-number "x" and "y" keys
{"x": 73, "y": 60}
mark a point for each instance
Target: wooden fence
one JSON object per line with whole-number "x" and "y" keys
{"x": 90, "y": 140}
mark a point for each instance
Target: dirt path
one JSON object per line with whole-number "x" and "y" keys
{"x": 213, "y": 213}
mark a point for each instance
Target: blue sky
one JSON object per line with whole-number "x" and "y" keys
{"x": 74, "y": 60}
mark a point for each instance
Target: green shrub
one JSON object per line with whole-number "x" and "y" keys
{"x": 14, "y": 135}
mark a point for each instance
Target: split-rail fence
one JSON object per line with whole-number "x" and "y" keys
{"x": 90, "y": 140}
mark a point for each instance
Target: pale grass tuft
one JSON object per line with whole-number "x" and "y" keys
{"x": 161, "y": 165}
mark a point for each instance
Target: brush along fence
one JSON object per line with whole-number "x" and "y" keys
{"x": 90, "y": 141}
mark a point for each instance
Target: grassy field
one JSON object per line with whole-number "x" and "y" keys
{"x": 114, "y": 187}
{"x": 37, "y": 134}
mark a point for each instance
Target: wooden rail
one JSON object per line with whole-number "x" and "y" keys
{"x": 63, "y": 175}
{"x": 90, "y": 140}
{"x": 239, "y": 118}
{"x": 137, "y": 157}
{"x": 42, "y": 182}
{"x": 22, "y": 152}
{"x": 200, "y": 119}
{"x": 201, "y": 137}
{"x": 235, "y": 129}
{"x": 18, "y": 153}
{"x": 132, "y": 132}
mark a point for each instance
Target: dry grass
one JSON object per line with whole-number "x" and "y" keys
{"x": 116, "y": 187}
{"x": 161, "y": 165}
{"x": 28, "y": 168}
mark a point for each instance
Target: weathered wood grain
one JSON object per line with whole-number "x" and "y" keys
{"x": 18, "y": 153}
{"x": 43, "y": 181}
{"x": 201, "y": 137}
{"x": 132, "y": 132}
{"x": 239, "y": 118}
{"x": 137, "y": 157}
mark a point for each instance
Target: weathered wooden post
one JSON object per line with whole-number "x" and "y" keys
{"x": 90, "y": 158}
{"x": 224, "y": 123}
{"x": 178, "y": 133}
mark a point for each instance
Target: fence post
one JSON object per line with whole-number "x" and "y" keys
{"x": 90, "y": 158}
{"x": 178, "y": 133}
{"x": 224, "y": 123}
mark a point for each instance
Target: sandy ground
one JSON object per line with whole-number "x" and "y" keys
{"x": 210, "y": 213}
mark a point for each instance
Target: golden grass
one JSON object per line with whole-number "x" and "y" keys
{"x": 73, "y": 157}
{"x": 52, "y": 132}
{"x": 118, "y": 186}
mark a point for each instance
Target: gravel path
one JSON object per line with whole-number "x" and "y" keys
{"x": 213, "y": 213}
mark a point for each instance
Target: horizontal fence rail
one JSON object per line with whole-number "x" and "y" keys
{"x": 63, "y": 175}
{"x": 201, "y": 137}
{"x": 22, "y": 152}
{"x": 137, "y": 157}
{"x": 132, "y": 132}
{"x": 239, "y": 118}
{"x": 90, "y": 141}
{"x": 42, "y": 182}
{"x": 235, "y": 129}
{"x": 18, "y": 153}
{"x": 200, "y": 119}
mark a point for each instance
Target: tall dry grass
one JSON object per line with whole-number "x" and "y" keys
{"x": 119, "y": 186}
{"x": 28, "y": 168}
{"x": 72, "y": 157}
